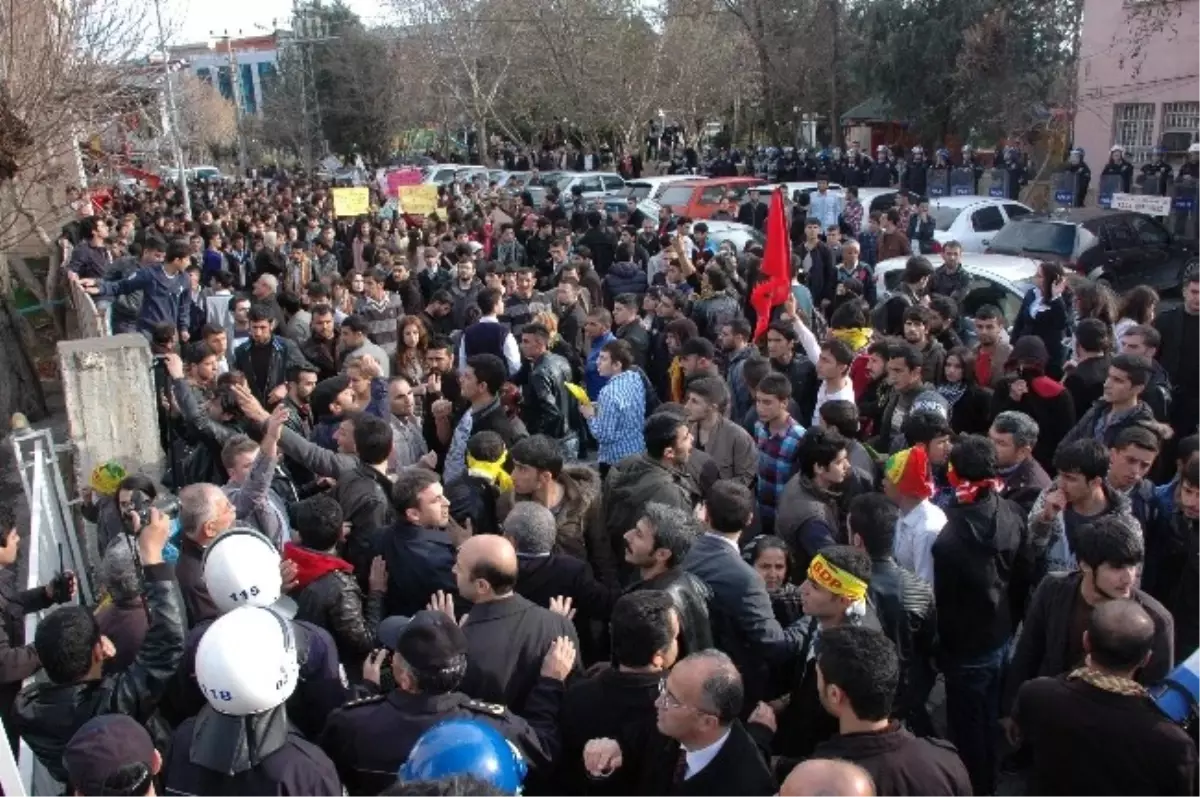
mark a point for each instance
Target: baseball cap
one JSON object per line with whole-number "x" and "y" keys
{"x": 110, "y": 754}
{"x": 390, "y": 628}
{"x": 247, "y": 661}
{"x": 429, "y": 641}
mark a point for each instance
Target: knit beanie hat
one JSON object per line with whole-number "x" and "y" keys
{"x": 908, "y": 471}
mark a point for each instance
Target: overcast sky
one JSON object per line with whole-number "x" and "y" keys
{"x": 192, "y": 21}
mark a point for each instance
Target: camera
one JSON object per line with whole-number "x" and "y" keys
{"x": 141, "y": 504}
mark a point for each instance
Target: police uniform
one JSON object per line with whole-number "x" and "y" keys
{"x": 1124, "y": 170}
{"x": 369, "y": 739}
{"x": 1160, "y": 169}
{"x": 1085, "y": 178}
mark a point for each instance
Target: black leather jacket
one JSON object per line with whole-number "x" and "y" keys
{"x": 690, "y": 596}
{"x": 905, "y": 608}
{"x": 711, "y": 313}
{"x": 546, "y": 404}
{"x": 48, "y": 714}
{"x": 335, "y": 602}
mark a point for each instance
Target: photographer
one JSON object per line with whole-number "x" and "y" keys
{"x": 73, "y": 652}
{"x": 206, "y": 512}
{"x": 18, "y": 661}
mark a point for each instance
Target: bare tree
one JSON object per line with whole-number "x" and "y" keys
{"x": 63, "y": 65}
{"x": 207, "y": 121}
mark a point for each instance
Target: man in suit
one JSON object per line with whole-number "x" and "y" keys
{"x": 507, "y": 635}
{"x": 543, "y": 575}
{"x": 743, "y": 623}
{"x": 698, "y": 706}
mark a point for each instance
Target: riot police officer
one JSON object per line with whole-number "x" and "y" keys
{"x": 1157, "y": 167}
{"x": 806, "y": 168}
{"x": 882, "y": 173}
{"x": 836, "y": 167}
{"x": 1119, "y": 166}
{"x": 941, "y": 158}
{"x": 1192, "y": 167}
{"x": 969, "y": 162}
{"x": 369, "y": 739}
{"x": 857, "y": 170}
{"x": 1077, "y": 166}
{"x": 915, "y": 178}
{"x": 1017, "y": 176}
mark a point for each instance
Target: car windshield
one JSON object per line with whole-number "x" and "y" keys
{"x": 1043, "y": 237}
{"x": 677, "y": 196}
{"x": 550, "y": 179}
{"x": 943, "y": 217}
{"x": 638, "y": 191}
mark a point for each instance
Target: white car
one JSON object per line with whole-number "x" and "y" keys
{"x": 441, "y": 173}
{"x": 651, "y": 187}
{"x": 591, "y": 184}
{"x": 737, "y": 234}
{"x": 1001, "y": 280}
{"x": 972, "y": 220}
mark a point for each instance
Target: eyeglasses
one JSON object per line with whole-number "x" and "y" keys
{"x": 669, "y": 700}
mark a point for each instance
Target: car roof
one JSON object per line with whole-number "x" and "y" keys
{"x": 804, "y": 185}
{"x": 1008, "y": 268}
{"x": 967, "y": 201}
{"x": 709, "y": 181}
{"x": 724, "y": 226}
{"x": 661, "y": 179}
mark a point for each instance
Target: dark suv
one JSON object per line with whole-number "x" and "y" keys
{"x": 1120, "y": 248}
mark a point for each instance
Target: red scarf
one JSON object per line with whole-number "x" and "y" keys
{"x": 965, "y": 492}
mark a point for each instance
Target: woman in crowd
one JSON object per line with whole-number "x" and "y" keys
{"x": 1138, "y": 307}
{"x": 970, "y": 403}
{"x": 1046, "y": 312}
{"x": 410, "y": 357}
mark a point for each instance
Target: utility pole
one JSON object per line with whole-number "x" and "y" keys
{"x": 235, "y": 81}
{"x": 171, "y": 112}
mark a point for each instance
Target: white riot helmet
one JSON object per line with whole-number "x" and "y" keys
{"x": 1194, "y": 149}
{"x": 246, "y": 662}
{"x": 241, "y": 568}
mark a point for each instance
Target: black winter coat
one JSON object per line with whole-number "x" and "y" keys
{"x": 902, "y": 764}
{"x": 18, "y": 661}
{"x": 690, "y": 596}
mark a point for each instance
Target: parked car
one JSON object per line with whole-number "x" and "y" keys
{"x": 591, "y": 184}
{"x": 652, "y": 187}
{"x": 972, "y": 220}
{"x": 698, "y": 199}
{"x": 737, "y": 234}
{"x": 1002, "y": 280}
{"x": 804, "y": 186}
{"x": 1120, "y": 248}
{"x": 441, "y": 173}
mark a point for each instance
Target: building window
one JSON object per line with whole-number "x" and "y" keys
{"x": 249, "y": 100}
{"x": 1133, "y": 129}
{"x": 1180, "y": 125}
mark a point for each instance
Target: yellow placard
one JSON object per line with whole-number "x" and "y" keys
{"x": 418, "y": 200}
{"x": 352, "y": 201}
{"x": 579, "y": 393}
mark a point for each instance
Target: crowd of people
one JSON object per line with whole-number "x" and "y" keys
{"x": 549, "y": 479}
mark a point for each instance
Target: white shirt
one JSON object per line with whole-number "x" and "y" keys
{"x": 512, "y": 354}
{"x": 823, "y": 395}
{"x": 699, "y": 759}
{"x": 915, "y": 534}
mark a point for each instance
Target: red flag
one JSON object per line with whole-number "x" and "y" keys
{"x": 776, "y": 276}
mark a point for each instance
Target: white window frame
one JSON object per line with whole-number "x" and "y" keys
{"x": 1133, "y": 129}
{"x": 1180, "y": 117}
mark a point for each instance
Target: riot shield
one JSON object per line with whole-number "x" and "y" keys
{"x": 999, "y": 186}
{"x": 1184, "y": 208}
{"x": 1109, "y": 184}
{"x": 937, "y": 183}
{"x": 962, "y": 181}
{"x": 1066, "y": 187}
{"x": 1151, "y": 184}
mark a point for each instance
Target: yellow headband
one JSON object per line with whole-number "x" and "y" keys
{"x": 493, "y": 470}
{"x": 831, "y": 577}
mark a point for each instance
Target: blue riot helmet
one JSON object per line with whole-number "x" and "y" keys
{"x": 1010, "y": 154}
{"x": 1177, "y": 694}
{"x": 943, "y": 156}
{"x": 1077, "y": 155}
{"x": 466, "y": 747}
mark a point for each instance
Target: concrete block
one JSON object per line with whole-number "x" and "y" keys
{"x": 108, "y": 388}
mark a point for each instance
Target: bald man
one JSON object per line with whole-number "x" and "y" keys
{"x": 507, "y": 635}
{"x": 825, "y": 777}
{"x": 1092, "y": 730}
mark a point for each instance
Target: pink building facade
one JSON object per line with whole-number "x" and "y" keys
{"x": 1153, "y": 98}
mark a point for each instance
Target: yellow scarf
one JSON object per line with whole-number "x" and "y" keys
{"x": 675, "y": 375}
{"x": 856, "y": 339}
{"x": 493, "y": 471}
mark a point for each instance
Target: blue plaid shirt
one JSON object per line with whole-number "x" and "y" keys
{"x": 868, "y": 245}
{"x": 620, "y": 415}
{"x": 776, "y": 463}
